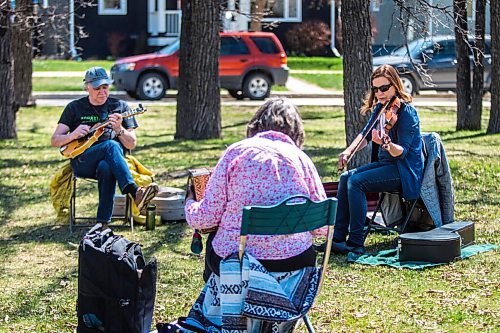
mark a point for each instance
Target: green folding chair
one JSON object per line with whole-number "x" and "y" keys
{"x": 293, "y": 215}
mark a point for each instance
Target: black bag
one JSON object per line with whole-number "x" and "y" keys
{"x": 420, "y": 219}
{"x": 116, "y": 288}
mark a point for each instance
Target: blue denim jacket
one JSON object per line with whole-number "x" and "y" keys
{"x": 437, "y": 186}
{"x": 406, "y": 133}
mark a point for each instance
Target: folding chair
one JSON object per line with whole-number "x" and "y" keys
{"x": 293, "y": 215}
{"x": 73, "y": 218}
{"x": 407, "y": 206}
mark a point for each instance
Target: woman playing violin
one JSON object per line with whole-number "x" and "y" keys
{"x": 395, "y": 126}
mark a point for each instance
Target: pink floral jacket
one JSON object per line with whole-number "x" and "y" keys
{"x": 262, "y": 170}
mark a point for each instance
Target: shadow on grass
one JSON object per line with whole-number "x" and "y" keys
{"x": 463, "y": 137}
{"x": 183, "y": 146}
{"x": 31, "y": 301}
{"x": 16, "y": 163}
{"x": 17, "y": 196}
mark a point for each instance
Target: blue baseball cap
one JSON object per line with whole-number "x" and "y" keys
{"x": 97, "y": 76}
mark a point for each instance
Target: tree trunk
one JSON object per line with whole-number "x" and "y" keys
{"x": 357, "y": 63}
{"x": 258, "y": 8}
{"x": 478, "y": 74}
{"x": 8, "y": 107}
{"x": 494, "y": 123}
{"x": 198, "y": 100}
{"x": 463, "y": 65}
{"x": 22, "y": 51}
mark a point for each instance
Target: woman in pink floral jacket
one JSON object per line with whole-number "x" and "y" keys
{"x": 263, "y": 169}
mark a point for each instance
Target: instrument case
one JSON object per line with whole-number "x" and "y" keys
{"x": 465, "y": 229}
{"x": 440, "y": 245}
{"x": 437, "y": 246}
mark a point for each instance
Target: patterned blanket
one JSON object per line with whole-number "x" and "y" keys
{"x": 249, "y": 299}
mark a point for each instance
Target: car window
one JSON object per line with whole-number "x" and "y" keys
{"x": 444, "y": 49}
{"x": 233, "y": 46}
{"x": 265, "y": 45}
{"x": 415, "y": 48}
{"x": 487, "y": 46}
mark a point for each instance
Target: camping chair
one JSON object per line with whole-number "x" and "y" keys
{"x": 291, "y": 216}
{"x": 407, "y": 207}
{"x": 73, "y": 217}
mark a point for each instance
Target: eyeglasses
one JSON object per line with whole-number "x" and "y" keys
{"x": 383, "y": 88}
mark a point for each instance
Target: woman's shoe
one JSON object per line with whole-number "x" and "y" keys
{"x": 340, "y": 247}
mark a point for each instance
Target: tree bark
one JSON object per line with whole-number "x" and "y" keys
{"x": 22, "y": 51}
{"x": 198, "y": 100}
{"x": 463, "y": 65}
{"x": 8, "y": 107}
{"x": 357, "y": 63}
{"x": 258, "y": 8}
{"x": 494, "y": 123}
{"x": 478, "y": 73}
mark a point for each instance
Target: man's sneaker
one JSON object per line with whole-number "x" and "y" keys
{"x": 145, "y": 194}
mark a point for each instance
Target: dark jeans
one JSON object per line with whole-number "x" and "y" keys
{"x": 305, "y": 259}
{"x": 352, "y": 204}
{"x": 106, "y": 163}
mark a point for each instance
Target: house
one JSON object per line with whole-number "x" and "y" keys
{"x": 117, "y": 28}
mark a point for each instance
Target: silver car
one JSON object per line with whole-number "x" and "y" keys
{"x": 436, "y": 61}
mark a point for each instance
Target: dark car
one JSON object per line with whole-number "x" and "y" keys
{"x": 250, "y": 63}
{"x": 436, "y": 56}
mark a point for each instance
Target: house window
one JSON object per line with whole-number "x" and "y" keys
{"x": 112, "y": 7}
{"x": 283, "y": 11}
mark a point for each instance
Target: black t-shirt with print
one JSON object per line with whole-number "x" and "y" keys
{"x": 80, "y": 111}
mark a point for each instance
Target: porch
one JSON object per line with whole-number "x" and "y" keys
{"x": 164, "y": 22}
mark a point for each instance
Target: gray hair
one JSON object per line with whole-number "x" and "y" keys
{"x": 281, "y": 115}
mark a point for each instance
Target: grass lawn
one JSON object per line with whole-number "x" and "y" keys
{"x": 60, "y": 84}
{"x": 317, "y": 63}
{"x": 38, "y": 270}
{"x": 327, "y": 81}
{"x": 69, "y": 65}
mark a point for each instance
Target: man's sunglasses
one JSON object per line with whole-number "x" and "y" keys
{"x": 383, "y": 88}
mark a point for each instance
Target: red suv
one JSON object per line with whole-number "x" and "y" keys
{"x": 250, "y": 63}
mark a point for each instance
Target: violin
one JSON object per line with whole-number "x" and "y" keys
{"x": 386, "y": 119}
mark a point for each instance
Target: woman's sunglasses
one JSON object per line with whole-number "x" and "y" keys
{"x": 383, "y": 88}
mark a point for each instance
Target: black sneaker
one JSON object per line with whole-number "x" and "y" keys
{"x": 357, "y": 249}
{"x": 340, "y": 247}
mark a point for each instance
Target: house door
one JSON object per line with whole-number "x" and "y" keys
{"x": 164, "y": 21}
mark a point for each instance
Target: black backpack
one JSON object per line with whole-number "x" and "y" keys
{"x": 116, "y": 288}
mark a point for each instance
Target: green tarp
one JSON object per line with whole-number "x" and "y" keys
{"x": 390, "y": 257}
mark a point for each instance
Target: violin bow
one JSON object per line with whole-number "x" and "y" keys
{"x": 356, "y": 148}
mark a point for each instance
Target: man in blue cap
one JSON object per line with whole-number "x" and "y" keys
{"x": 104, "y": 160}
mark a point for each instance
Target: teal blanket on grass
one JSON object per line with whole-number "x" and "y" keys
{"x": 390, "y": 257}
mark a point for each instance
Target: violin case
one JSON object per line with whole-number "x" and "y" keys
{"x": 440, "y": 245}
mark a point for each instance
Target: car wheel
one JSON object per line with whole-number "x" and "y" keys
{"x": 238, "y": 94}
{"x": 409, "y": 84}
{"x": 152, "y": 86}
{"x": 257, "y": 86}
